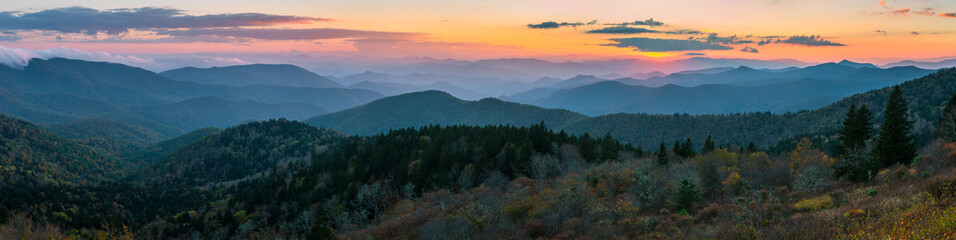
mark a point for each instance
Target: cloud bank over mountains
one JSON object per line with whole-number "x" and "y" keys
{"x": 18, "y": 58}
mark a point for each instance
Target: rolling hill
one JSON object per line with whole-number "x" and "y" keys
{"x": 238, "y": 152}
{"x": 254, "y": 74}
{"x": 434, "y": 107}
{"x": 32, "y": 156}
{"x": 216, "y": 112}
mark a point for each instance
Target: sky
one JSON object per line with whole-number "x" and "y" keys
{"x": 805, "y": 30}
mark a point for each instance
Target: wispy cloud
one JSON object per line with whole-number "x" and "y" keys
{"x": 622, "y": 30}
{"x": 926, "y": 11}
{"x": 749, "y": 49}
{"x": 664, "y": 45}
{"x": 19, "y": 58}
{"x": 810, "y": 41}
{"x": 951, "y": 15}
{"x": 714, "y": 38}
{"x": 117, "y": 21}
{"x": 553, "y": 24}
{"x": 238, "y": 34}
{"x": 901, "y": 11}
{"x": 649, "y": 22}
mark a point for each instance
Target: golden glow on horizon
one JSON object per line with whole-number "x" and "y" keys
{"x": 497, "y": 28}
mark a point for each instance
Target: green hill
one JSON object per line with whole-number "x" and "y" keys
{"x": 239, "y": 152}
{"x": 159, "y": 150}
{"x": 435, "y": 107}
{"x": 104, "y": 128}
{"x": 30, "y": 155}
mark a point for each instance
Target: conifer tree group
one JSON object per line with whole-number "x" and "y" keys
{"x": 893, "y": 145}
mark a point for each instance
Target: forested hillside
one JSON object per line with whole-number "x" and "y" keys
{"x": 32, "y": 156}
{"x": 434, "y": 107}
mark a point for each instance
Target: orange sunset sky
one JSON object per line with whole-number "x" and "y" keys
{"x": 806, "y": 30}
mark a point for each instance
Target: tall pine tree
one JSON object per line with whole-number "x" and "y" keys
{"x": 856, "y": 129}
{"x": 662, "y": 155}
{"x": 708, "y": 146}
{"x": 895, "y": 143}
{"x": 686, "y": 149}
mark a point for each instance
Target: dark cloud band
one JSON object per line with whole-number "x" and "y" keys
{"x": 117, "y": 21}
{"x": 553, "y": 24}
{"x": 810, "y": 41}
{"x": 665, "y": 45}
{"x": 285, "y": 34}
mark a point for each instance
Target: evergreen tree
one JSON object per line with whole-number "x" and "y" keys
{"x": 895, "y": 143}
{"x": 854, "y": 134}
{"x": 677, "y": 148}
{"x": 687, "y": 149}
{"x": 320, "y": 231}
{"x": 947, "y": 123}
{"x": 856, "y": 129}
{"x": 662, "y": 155}
{"x": 752, "y": 147}
{"x": 708, "y": 145}
{"x": 687, "y": 195}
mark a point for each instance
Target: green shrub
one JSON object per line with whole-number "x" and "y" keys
{"x": 814, "y": 204}
{"x": 872, "y": 192}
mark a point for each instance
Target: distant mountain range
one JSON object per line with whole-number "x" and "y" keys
{"x": 925, "y": 95}
{"x": 255, "y": 74}
{"x": 60, "y": 91}
{"x": 950, "y": 63}
{"x": 709, "y": 91}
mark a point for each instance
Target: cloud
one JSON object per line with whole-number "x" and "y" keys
{"x": 810, "y": 41}
{"x": 73, "y": 53}
{"x": 926, "y": 12}
{"x": 244, "y": 34}
{"x": 882, "y": 4}
{"x": 664, "y": 45}
{"x": 553, "y": 24}
{"x": 19, "y": 58}
{"x": 16, "y": 57}
{"x": 749, "y": 49}
{"x": 623, "y": 30}
{"x": 713, "y": 38}
{"x": 685, "y": 32}
{"x": 914, "y": 33}
{"x": 952, "y": 14}
{"x": 901, "y": 11}
{"x": 881, "y": 31}
{"x": 694, "y": 54}
{"x": 649, "y": 22}
{"x": 117, "y": 21}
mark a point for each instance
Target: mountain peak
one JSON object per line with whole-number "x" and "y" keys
{"x": 849, "y": 63}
